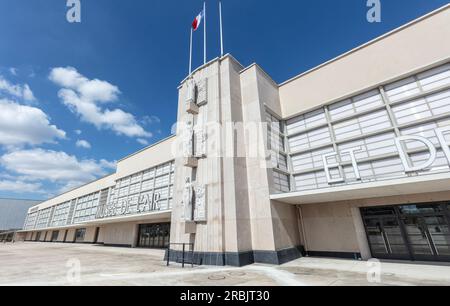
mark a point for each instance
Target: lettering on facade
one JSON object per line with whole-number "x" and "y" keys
{"x": 329, "y": 166}
{"x": 400, "y": 142}
{"x": 145, "y": 203}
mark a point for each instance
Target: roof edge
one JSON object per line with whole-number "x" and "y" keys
{"x": 147, "y": 147}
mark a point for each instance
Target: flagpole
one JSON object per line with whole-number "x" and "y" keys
{"x": 190, "y": 56}
{"x": 221, "y": 29}
{"x": 204, "y": 33}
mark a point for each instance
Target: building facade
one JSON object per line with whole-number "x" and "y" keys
{"x": 350, "y": 159}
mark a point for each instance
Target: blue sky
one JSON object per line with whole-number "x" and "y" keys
{"x": 74, "y": 98}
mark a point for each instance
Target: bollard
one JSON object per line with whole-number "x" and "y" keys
{"x": 184, "y": 248}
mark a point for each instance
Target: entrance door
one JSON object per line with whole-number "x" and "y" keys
{"x": 412, "y": 232}
{"x": 385, "y": 236}
{"x": 429, "y": 237}
{"x": 156, "y": 236}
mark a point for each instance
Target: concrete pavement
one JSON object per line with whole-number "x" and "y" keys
{"x": 90, "y": 265}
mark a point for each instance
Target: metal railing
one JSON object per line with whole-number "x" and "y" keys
{"x": 183, "y": 256}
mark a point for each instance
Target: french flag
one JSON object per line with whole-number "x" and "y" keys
{"x": 198, "y": 21}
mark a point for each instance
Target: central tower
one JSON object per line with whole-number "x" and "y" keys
{"x": 224, "y": 174}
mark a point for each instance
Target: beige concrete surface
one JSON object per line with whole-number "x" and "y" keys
{"x": 47, "y": 264}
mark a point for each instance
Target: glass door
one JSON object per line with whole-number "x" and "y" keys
{"x": 418, "y": 236}
{"x": 411, "y": 232}
{"x": 386, "y": 238}
{"x": 154, "y": 235}
{"x": 438, "y": 230}
{"x": 429, "y": 237}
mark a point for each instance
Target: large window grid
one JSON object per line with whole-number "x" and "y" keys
{"x": 61, "y": 214}
{"x": 158, "y": 180}
{"x": 43, "y": 218}
{"x": 276, "y": 141}
{"x": 86, "y": 208}
{"x": 371, "y": 121}
{"x": 30, "y": 222}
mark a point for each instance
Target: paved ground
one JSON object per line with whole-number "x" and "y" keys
{"x": 56, "y": 264}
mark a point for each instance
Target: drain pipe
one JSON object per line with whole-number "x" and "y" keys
{"x": 302, "y": 228}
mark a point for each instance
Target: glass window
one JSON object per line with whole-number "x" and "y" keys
{"x": 154, "y": 235}
{"x": 281, "y": 182}
{"x": 31, "y": 221}
{"x": 363, "y": 125}
{"x": 355, "y": 105}
{"x": 310, "y": 140}
{"x": 159, "y": 178}
{"x": 80, "y": 234}
{"x": 307, "y": 121}
{"x": 379, "y": 211}
{"x": 86, "y": 208}
{"x": 435, "y": 78}
{"x": 61, "y": 214}
{"x": 43, "y": 218}
{"x": 371, "y": 134}
{"x": 402, "y": 89}
{"x": 374, "y": 146}
{"x": 313, "y": 180}
{"x": 420, "y": 209}
{"x": 311, "y": 160}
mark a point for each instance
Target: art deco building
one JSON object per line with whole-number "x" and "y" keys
{"x": 350, "y": 159}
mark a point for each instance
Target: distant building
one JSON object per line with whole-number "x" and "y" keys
{"x": 13, "y": 212}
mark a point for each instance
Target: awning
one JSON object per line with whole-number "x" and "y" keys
{"x": 403, "y": 186}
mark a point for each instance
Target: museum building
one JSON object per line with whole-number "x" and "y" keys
{"x": 350, "y": 159}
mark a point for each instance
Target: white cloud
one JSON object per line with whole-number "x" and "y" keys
{"x": 22, "y": 124}
{"x": 83, "y": 144}
{"x": 19, "y": 91}
{"x": 151, "y": 120}
{"x": 20, "y": 187}
{"x": 86, "y": 98}
{"x": 57, "y": 167}
{"x": 142, "y": 141}
{"x": 78, "y": 132}
{"x": 107, "y": 164}
{"x": 13, "y": 71}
